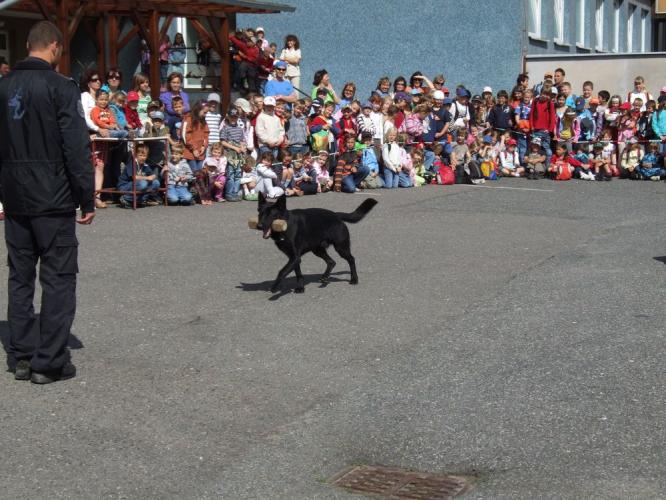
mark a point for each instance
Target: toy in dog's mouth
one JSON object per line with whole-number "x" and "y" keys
{"x": 277, "y": 226}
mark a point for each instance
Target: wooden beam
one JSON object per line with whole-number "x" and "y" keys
{"x": 90, "y": 31}
{"x": 128, "y": 37}
{"x": 222, "y": 36}
{"x": 154, "y": 32}
{"x": 44, "y": 10}
{"x": 62, "y": 16}
{"x": 143, "y": 29}
{"x": 166, "y": 25}
{"x": 112, "y": 24}
{"x": 205, "y": 33}
{"x": 74, "y": 22}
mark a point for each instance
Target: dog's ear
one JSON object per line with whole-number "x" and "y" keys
{"x": 262, "y": 201}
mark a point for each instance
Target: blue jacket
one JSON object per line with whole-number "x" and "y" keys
{"x": 126, "y": 175}
{"x": 659, "y": 122}
{"x": 369, "y": 159}
{"x": 119, "y": 113}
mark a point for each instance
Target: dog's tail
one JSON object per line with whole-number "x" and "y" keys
{"x": 359, "y": 213}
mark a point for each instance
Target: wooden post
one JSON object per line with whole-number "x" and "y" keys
{"x": 225, "y": 63}
{"x": 62, "y": 18}
{"x": 101, "y": 47}
{"x": 154, "y": 44}
{"x": 113, "y": 41}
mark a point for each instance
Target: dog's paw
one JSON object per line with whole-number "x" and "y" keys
{"x": 299, "y": 289}
{"x": 353, "y": 281}
{"x": 324, "y": 279}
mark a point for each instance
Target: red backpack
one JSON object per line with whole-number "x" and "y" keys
{"x": 445, "y": 175}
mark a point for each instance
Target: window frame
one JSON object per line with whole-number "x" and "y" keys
{"x": 581, "y": 17}
{"x": 558, "y": 19}
{"x": 535, "y": 17}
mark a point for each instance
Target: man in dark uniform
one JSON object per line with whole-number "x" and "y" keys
{"x": 45, "y": 173}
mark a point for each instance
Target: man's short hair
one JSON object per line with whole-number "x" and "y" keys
{"x": 43, "y": 34}
{"x": 560, "y": 70}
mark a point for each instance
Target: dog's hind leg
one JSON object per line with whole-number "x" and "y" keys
{"x": 345, "y": 252}
{"x": 330, "y": 263}
{"x": 300, "y": 285}
{"x": 289, "y": 267}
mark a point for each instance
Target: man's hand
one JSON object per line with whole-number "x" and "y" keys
{"x": 86, "y": 219}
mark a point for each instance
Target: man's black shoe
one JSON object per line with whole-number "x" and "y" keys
{"x": 67, "y": 371}
{"x": 22, "y": 371}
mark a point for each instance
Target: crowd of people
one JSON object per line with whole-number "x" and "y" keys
{"x": 277, "y": 139}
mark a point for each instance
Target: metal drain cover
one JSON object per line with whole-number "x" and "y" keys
{"x": 394, "y": 483}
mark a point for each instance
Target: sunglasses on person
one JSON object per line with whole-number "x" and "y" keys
{"x": 113, "y": 77}
{"x": 95, "y": 79}
{"x": 438, "y": 83}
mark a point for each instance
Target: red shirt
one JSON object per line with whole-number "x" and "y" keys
{"x": 542, "y": 115}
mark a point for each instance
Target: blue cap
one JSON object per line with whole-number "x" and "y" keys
{"x": 280, "y": 64}
{"x": 487, "y": 139}
{"x": 448, "y": 100}
{"x": 157, "y": 115}
{"x": 367, "y": 104}
{"x": 416, "y": 91}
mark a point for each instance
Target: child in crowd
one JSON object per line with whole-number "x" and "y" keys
{"x": 626, "y": 125}
{"x": 419, "y": 168}
{"x": 644, "y": 126}
{"x": 460, "y": 158}
{"x": 369, "y": 160}
{"x": 297, "y": 131}
{"x": 117, "y": 106}
{"x": 213, "y": 119}
{"x": 304, "y": 179}
{"x": 583, "y": 170}
{"x": 347, "y": 124}
{"x": 104, "y": 118}
{"x": 132, "y": 114}
{"x": 146, "y": 184}
{"x": 535, "y": 160}
{"x": 487, "y": 157}
{"x": 320, "y": 169}
{"x": 364, "y": 121}
{"x": 501, "y": 115}
{"x": 651, "y": 164}
{"x": 569, "y": 129}
{"x": 179, "y": 178}
{"x": 216, "y": 164}
{"x": 249, "y": 180}
{"x": 630, "y": 160}
{"x": 392, "y": 160}
{"x": 156, "y": 128}
{"x": 509, "y": 160}
{"x": 268, "y": 182}
{"x": 560, "y": 169}
{"x": 407, "y": 173}
{"x": 609, "y": 151}
{"x": 612, "y": 113}
{"x": 600, "y": 164}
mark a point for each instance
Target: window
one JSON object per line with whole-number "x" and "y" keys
{"x": 535, "y": 18}
{"x": 559, "y": 21}
{"x": 580, "y": 23}
{"x": 630, "y": 27}
{"x": 599, "y": 25}
{"x": 645, "y": 15}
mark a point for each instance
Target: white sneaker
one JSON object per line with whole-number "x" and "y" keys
{"x": 655, "y": 178}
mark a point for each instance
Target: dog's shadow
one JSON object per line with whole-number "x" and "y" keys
{"x": 288, "y": 284}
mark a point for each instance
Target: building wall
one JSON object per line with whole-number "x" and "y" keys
{"x": 542, "y": 39}
{"x": 361, "y": 41}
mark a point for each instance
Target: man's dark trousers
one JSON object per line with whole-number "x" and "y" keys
{"x": 51, "y": 240}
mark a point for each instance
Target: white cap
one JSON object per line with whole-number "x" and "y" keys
{"x": 269, "y": 101}
{"x": 438, "y": 95}
{"x": 553, "y": 91}
{"x": 243, "y": 104}
{"x": 259, "y": 28}
{"x": 213, "y": 97}
{"x": 487, "y": 89}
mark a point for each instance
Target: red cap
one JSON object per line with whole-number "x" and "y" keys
{"x": 511, "y": 142}
{"x": 445, "y": 90}
{"x": 132, "y": 96}
{"x": 625, "y": 105}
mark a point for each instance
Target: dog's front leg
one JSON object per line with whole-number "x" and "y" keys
{"x": 300, "y": 284}
{"x": 289, "y": 267}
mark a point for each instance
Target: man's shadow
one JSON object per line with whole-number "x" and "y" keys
{"x": 660, "y": 259}
{"x": 73, "y": 343}
{"x": 288, "y": 284}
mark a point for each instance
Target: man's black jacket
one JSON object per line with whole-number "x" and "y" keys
{"x": 45, "y": 159}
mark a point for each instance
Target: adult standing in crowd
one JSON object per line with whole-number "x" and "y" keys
{"x": 291, "y": 54}
{"x": 322, "y": 80}
{"x": 44, "y": 138}
{"x": 639, "y": 92}
{"x": 4, "y": 67}
{"x": 269, "y": 128}
{"x": 114, "y": 80}
{"x": 174, "y": 85}
{"x": 141, "y": 85}
{"x": 279, "y": 87}
{"x": 90, "y": 85}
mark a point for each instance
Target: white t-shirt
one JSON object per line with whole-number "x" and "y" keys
{"x": 88, "y": 103}
{"x": 292, "y": 69}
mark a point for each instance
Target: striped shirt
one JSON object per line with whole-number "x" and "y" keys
{"x": 213, "y": 121}
{"x": 229, "y": 133}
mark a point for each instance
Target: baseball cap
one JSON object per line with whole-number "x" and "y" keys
{"x": 367, "y": 104}
{"x": 511, "y": 142}
{"x": 213, "y": 97}
{"x": 536, "y": 141}
{"x": 487, "y": 139}
{"x": 553, "y": 91}
{"x": 438, "y": 95}
{"x": 477, "y": 97}
{"x": 317, "y": 103}
{"x": 132, "y": 96}
{"x": 157, "y": 115}
{"x": 269, "y": 101}
{"x": 446, "y": 90}
{"x": 259, "y": 28}
{"x": 448, "y": 101}
{"x": 663, "y": 89}
{"x": 548, "y": 74}
{"x": 487, "y": 90}
{"x": 243, "y": 104}
{"x": 416, "y": 92}
{"x": 280, "y": 64}
{"x": 401, "y": 96}
{"x": 625, "y": 105}
{"x": 580, "y": 104}
{"x": 462, "y": 92}
{"x": 233, "y": 111}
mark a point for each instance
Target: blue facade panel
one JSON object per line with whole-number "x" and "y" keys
{"x": 472, "y": 42}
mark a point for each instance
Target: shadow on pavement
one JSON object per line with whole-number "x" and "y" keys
{"x": 288, "y": 284}
{"x": 660, "y": 259}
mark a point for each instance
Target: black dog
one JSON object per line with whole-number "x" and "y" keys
{"x": 310, "y": 230}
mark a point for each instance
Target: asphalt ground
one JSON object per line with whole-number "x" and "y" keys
{"x": 512, "y": 333}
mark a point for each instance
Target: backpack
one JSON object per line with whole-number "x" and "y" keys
{"x": 445, "y": 176}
